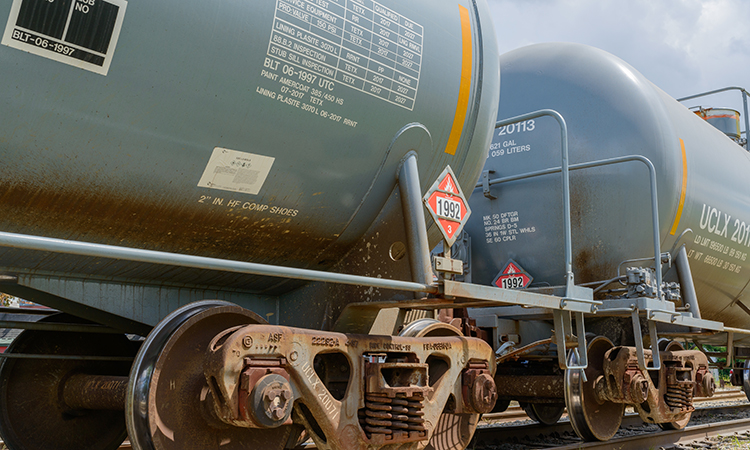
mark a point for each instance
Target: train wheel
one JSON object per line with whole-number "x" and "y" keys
{"x": 746, "y": 379}
{"x": 501, "y": 406}
{"x": 665, "y": 345}
{"x": 453, "y": 431}
{"x": 545, "y": 414}
{"x": 33, "y": 413}
{"x": 591, "y": 420}
{"x": 163, "y": 408}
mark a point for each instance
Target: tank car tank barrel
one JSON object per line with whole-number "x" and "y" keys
{"x": 95, "y": 392}
{"x": 416, "y": 228}
{"x": 14, "y": 240}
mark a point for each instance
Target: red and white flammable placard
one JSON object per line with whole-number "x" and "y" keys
{"x": 512, "y": 277}
{"x": 447, "y": 204}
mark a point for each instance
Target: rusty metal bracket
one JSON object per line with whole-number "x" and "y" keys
{"x": 350, "y": 391}
{"x": 635, "y": 314}
{"x": 730, "y": 349}
{"x": 564, "y": 330}
{"x": 486, "y": 184}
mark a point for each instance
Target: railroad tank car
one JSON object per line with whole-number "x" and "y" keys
{"x": 279, "y": 133}
{"x": 271, "y": 142}
{"x": 611, "y": 110}
{"x": 654, "y": 191}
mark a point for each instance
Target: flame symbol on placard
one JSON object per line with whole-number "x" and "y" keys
{"x": 449, "y": 185}
{"x": 511, "y": 269}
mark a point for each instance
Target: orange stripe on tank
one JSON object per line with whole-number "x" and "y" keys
{"x": 683, "y": 191}
{"x": 464, "y": 89}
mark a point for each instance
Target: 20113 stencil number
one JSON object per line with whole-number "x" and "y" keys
{"x": 520, "y": 127}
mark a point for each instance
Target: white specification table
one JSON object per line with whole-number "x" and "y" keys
{"x": 357, "y": 43}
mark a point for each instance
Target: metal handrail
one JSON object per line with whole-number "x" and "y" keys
{"x": 569, "y": 280}
{"x": 606, "y": 162}
{"x": 730, "y": 88}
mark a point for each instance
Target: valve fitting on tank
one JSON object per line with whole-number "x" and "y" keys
{"x": 642, "y": 283}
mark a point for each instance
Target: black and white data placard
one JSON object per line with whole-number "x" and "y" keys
{"x": 82, "y": 33}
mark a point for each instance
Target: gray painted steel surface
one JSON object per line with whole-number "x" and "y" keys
{"x": 254, "y": 131}
{"x": 611, "y": 110}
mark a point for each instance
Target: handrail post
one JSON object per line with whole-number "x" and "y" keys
{"x": 569, "y": 278}
{"x": 747, "y": 121}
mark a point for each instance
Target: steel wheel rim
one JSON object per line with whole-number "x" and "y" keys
{"x": 590, "y": 424}
{"x": 147, "y": 381}
{"x": 746, "y": 379}
{"x": 544, "y": 414}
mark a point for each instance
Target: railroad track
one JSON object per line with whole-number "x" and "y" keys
{"x": 515, "y": 412}
{"x": 633, "y": 434}
{"x": 486, "y": 435}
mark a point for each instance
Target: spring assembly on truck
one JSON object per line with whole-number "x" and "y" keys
{"x": 680, "y": 388}
{"x": 395, "y": 418}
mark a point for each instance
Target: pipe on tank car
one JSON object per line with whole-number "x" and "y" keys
{"x": 45, "y": 244}
{"x": 686, "y": 282}
{"x": 414, "y": 220}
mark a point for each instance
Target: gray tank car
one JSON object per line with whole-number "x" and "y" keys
{"x": 612, "y": 111}
{"x": 147, "y": 144}
{"x": 700, "y": 200}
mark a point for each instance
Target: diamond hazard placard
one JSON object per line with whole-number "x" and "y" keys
{"x": 447, "y": 205}
{"x": 512, "y": 277}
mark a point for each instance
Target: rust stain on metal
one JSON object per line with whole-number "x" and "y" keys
{"x": 396, "y": 401}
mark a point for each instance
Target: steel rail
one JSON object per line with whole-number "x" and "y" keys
{"x": 527, "y": 430}
{"x": 517, "y": 413}
{"x": 666, "y": 438}
{"x": 490, "y": 434}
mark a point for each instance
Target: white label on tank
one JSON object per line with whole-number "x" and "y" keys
{"x": 505, "y": 227}
{"x": 360, "y": 44}
{"x": 230, "y": 170}
{"x": 81, "y": 33}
